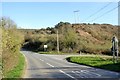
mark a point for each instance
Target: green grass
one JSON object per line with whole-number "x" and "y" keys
{"x": 18, "y": 70}
{"x": 99, "y": 62}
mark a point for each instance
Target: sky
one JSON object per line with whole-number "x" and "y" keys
{"x": 37, "y": 15}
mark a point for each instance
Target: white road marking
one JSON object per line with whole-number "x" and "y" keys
{"x": 25, "y": 58}
{"x": 50, "y": 65}
{"x": 35, "y": 53}
{"x": 83, "y": 75}
{"x": 87, "y": 72}
{"x": 67, "y": 74}
{"x": 77, "y": 74}
{"x": 42, "y": 60}
{"x": 23, "y": 55}
{"x": 26, "y": 63}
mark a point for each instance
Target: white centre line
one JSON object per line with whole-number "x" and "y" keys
{"x": 50, "y": 65}
{"x": 67, "y": 74}
{"x": 42, "y": 60}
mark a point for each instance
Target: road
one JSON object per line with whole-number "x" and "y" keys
{"x": 55, "y": 66}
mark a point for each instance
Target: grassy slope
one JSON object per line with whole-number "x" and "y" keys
{"x": 99, "y": 62}
{"x": 17, "y": 71}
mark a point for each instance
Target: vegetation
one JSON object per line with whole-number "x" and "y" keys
{"x": 17, "y": 71}
{"x": 73, "y": 38}
{"x": 99, "y": 62}
{"x": 0, "y": 53}
{"x": 11, "y": 44}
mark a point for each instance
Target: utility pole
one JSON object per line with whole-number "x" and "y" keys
{"x": 57, "y": 42}
{"x": 76, "y": 16}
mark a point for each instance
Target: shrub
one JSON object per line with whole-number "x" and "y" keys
{"x": 11, "y": 44}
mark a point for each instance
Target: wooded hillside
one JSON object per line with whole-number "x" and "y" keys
{"x": 87, "y": 38}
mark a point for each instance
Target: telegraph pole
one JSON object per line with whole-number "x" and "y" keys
{"x": 76, "y": 16}
{"x": 57, "y": 42}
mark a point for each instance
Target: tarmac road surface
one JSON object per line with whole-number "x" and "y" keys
{"x": 55, "y": 66}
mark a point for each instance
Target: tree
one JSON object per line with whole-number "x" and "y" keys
{"x": 70, "y": 38}
{"x": 7, "y": 23}
{"x": 62, "y": 24}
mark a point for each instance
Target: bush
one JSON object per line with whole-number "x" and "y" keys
{"x": 11, "y": 44}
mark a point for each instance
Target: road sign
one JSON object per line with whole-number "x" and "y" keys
{"x": 45, "y": 46}
{"x": 115, "y": 48}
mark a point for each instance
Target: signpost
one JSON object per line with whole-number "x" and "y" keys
{"x": 45, "y": 47}
{"x": 115, "y": 49}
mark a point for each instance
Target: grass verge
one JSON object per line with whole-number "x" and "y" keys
{"x": 98, "y": 62}
{"x": 51, "y": 52}
{"x": 17, "y": 71}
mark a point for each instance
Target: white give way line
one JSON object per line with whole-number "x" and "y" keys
{"x": 67, "y": 74}
{"x": 83, "y": 71}
{"x": 60, "y": 70}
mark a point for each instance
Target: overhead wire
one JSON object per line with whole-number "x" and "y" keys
{"x": 97, "y": 12}
{"x": 105, "y": 13}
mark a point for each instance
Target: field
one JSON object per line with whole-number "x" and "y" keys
{"x": 96, "y": 61}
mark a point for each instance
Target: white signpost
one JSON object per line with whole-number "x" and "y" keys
{"x": 45, "y": 47}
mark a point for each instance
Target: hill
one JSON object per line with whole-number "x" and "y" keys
{"x": 87, "y": 38}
